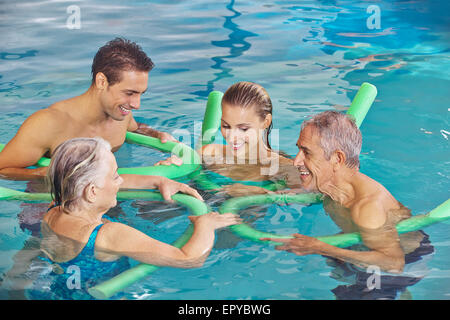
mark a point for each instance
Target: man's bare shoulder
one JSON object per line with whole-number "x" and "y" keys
{"x": 369, "y": 213}
{"x": 52, "y": 113}
{"x": 62, "y": 109}
{"x": 52, "y": 118}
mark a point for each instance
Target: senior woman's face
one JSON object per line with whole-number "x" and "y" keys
{"x": 107, "y": 194}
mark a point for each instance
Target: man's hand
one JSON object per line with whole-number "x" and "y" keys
{"x": 40, "y": 172}
{"x": 144, "y": 129}
{"x": 240, "y": 190}
{"x": 292, "y": 191}
{"x": 300, "y": 245}
{"x": 168, "y": 188}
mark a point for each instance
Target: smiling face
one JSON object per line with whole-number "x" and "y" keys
{"x": 106, "y": 192}
{"x": 242, "y": 128}
{"x": 119, "y": 99}
{"x": 315, "y": 170}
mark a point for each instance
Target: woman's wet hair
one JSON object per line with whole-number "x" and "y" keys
{"x": 75, "y": 164}
{"x": 120, "y": 55}
{"x": 337, "y": 131}
{"x": 250, "y": 95}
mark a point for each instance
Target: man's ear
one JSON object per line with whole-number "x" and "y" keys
{"x": 101, "y": 81}
{"x": 90, "y": 193}
{"x": 338, "y": 159}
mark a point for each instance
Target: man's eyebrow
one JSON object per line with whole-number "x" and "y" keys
{"x": 134, "y": 91}
{"x": 302, "y": 147}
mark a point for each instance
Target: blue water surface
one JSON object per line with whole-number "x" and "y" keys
{"x": 311, "y": 56}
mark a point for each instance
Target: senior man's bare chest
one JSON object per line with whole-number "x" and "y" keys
{"x": 340, "y": 215}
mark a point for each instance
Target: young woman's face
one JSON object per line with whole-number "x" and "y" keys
{"x": 243, "y": 129}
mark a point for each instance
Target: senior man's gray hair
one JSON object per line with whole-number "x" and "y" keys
{"x": 337, "y": 131}
{"x": 75, "y": 164}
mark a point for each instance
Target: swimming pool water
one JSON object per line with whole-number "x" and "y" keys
{"x": 310, "y": 56}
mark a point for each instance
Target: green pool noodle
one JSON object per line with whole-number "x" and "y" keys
{"x": 191, "y": 159}
{"x": 110, "y": 287}
{"x": 212, "y": 117}
{"x": 362, "y": 102}
{"x": 358, "y": 109}
{"x": 9, "y": 194}
{"x": 234, "y": 205}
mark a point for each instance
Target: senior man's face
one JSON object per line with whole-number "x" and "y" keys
{"x": 314, "y": 169}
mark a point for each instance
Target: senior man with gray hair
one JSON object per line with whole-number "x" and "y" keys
{"x": 328, "y": 162}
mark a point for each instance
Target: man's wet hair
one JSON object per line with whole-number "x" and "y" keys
{"x": 120, "y": 55}
{"x": 338, "y": 131}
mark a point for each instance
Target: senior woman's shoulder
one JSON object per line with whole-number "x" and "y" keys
{"x": 116, "y": 236}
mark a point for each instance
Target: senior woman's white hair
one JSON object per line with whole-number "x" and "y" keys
{"x": 75, "y": 164}
{"x": 337, "y": 131}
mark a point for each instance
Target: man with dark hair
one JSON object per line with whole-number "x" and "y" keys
{"x": 119, "y": 78}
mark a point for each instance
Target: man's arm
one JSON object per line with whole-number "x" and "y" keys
{"x": 383, "y": 242}
{"x": 144, "y": 129}
{"x": 29, "y": 144}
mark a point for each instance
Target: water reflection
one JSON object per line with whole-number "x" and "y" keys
{"x": 236, "y": 42}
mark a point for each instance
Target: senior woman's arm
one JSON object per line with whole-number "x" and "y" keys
{"x": 166, "y": 186}
{"x": 122, "y": 240}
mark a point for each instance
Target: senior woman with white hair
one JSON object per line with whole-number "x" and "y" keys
{"x": 84, "y": 184}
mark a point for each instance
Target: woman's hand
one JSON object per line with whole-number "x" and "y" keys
{"x": 171, "y": 160}
{"x": 168, "y": 188}
{"x": 164, "y": 137}
{"x": 216, "y": 220}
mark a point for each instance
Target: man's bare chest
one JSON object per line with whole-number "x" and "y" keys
{"x": 113, "y": 133}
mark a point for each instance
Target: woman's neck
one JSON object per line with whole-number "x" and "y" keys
{"x": 89, "y": 215}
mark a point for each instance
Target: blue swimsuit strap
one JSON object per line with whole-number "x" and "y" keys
{"x": 88, "y": 250}
{"x": 90, "y": 245}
